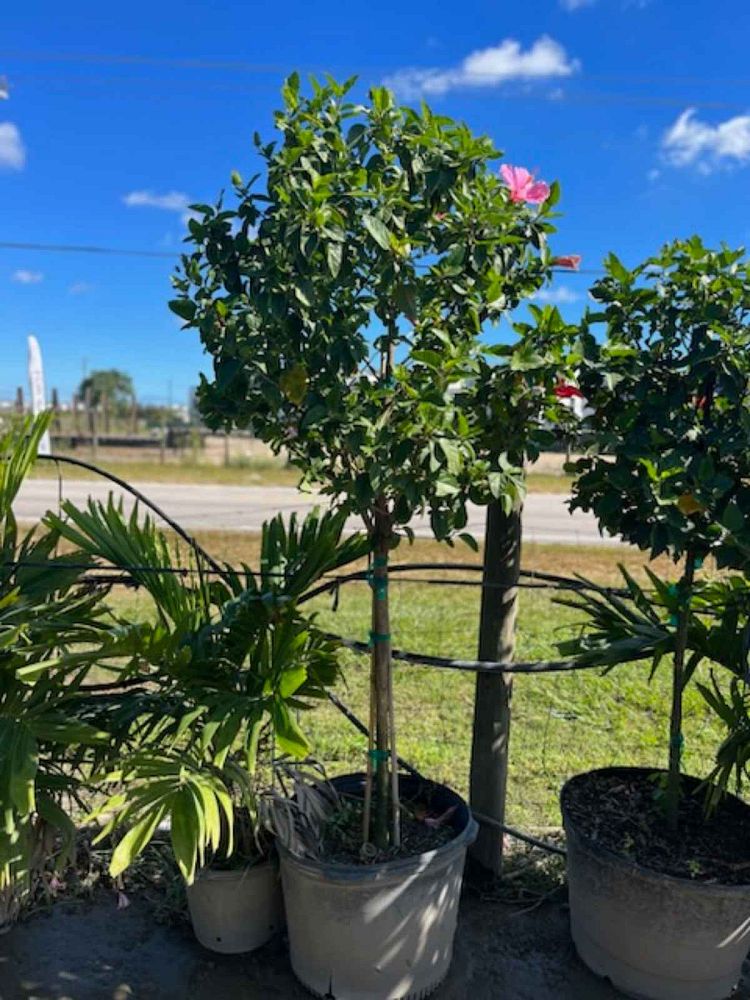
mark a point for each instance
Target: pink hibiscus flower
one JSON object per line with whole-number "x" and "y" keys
{"x": 564, "y": 390}
{"x": 572, "y": 261}
{"x": 522, "y": 185}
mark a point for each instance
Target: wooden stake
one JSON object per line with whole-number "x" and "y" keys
{"x": 489, "y": 756}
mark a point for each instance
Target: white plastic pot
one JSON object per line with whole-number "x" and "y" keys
{"x": 237, "y": 910}
{"x": 653, "y": 936}
{"x": 383, "y": 931}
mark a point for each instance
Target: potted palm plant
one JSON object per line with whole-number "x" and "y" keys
{"x": 658, "y": 894}
{"x": 213, "y": 688}
{"x": 344, "y": 306}
{"x": 49, "y": 625}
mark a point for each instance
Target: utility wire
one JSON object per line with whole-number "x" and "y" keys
{"x": 73, "y": 248}
{"x": 246, "y": 66}
{"x": 116, "y": 251}
{"x": 56, "y": 84}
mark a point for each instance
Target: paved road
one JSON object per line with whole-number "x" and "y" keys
{"x": 244, "y": 508}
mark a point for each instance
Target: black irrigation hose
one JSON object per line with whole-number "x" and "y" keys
{"x": 536, "y": 581}
{"x": 478, "y": 666}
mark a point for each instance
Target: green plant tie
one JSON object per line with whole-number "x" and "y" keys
{"x": 379, "y": 756}
{"x": 379, "y": 637}
{"x": 678, "y": 741}
{"x": 698, "y": 562}
{"x": 674, "y": 620}
{"x": 377, "y": 583}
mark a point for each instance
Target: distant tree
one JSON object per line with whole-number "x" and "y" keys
{"x": 110, "y": 383}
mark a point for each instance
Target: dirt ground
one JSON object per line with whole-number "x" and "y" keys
{"x": 93, "y": 951}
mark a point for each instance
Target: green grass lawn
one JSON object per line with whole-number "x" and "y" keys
{"x": 562, "y": 723}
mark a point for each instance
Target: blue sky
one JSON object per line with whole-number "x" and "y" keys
{"x": 640, "y": 108}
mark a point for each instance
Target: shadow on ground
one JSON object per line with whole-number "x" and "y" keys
{"x": 93, "y": 951}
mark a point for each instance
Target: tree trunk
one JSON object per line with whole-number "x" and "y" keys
{"x": 489, "y": 757}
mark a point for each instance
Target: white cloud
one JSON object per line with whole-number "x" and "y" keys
{"x": 80, "y": 288}
{"x": 489, "y": 68}
{"x": 654, "y": 174}
{"x": 12, "y": 149}
{"x": 559, "y": 296}
{"x": 172, "y": 201}
{"x": 692, "y": 142}
{"x": 24, "y": 277}
{"x": 573, "y": 5}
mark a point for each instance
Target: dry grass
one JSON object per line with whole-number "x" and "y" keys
{"x": 597, "y": 562}
{"x": 137, "y": 466}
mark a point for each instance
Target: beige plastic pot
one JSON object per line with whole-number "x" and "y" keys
{"x": 653, "y": 936}
{"x": 236, "y": 911}
{"x": 377, "y": 932}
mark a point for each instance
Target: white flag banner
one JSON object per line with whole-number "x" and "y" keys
{"x": 36, "y": 384}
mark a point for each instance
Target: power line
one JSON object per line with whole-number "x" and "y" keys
{"x": 116, "y": 251}
{"x": 73, "y": 248}
{"x": 245, "y": 66}
{"x": 56, "y": 84}
{"x": 275, "y": 70}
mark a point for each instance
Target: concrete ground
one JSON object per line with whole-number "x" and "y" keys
{"x": 244, "y": 508}
{"x": 93, "y": 951}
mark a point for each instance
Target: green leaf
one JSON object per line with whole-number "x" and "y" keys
{"x": 498, "y": 484}
{"x": 446, "y": 485}
{"x": 733, "y": 518}
{"x": 617, "y": 269}
{"x": 185, "y": 833}
{"x": 334, "y": 256}
{"x": 378, "y": 230}
{"x": 290, "y": 737}
{"x": 293, "y": 383}
{"x": 469, "y": 540}
{"x": 135, "y": 840}
{"x": 452, "y": 454}
{"x": 183, "y": 308}
{"x": 292, "y": 679}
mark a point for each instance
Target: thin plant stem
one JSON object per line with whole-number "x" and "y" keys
{"x": 678, "y": 684}
{"x": 381, "y": 661}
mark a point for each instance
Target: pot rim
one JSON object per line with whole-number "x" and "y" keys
{"x": 247, "y": 871}
{"x": 399, "y": 867}
{"x": 607, "y": 854}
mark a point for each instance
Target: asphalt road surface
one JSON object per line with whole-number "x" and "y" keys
{"x": 244, "y": 508}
